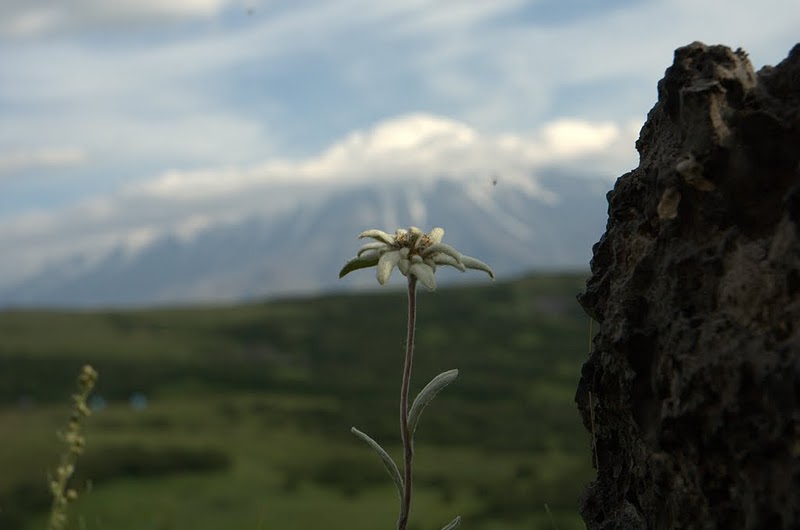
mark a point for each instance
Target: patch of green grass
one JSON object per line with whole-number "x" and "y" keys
{"x": 271, "y": 391}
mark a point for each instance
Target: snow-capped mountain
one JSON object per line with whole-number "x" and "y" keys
{"x": 514, "y": 225}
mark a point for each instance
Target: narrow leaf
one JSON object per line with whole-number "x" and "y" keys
{"x": 441, "y": 248}
{"x": 403, "y": 265}
{"x": 430, "y": 263}
{"x": 423, "y": 274}
{"x": 472, "y": 263}
{"x": 375, "y": 245}
{"x": 452, "y": 524}
{"x": 378, "y": 235}
{"x": 415, "y": 234}
{"x": 386, "y": 263}
{"x": 361, "y": 262}
{"x": 436, "y": 235}
{"x": 391, "y": 467}
{"x": 426, "y": 395}
{"x": 444, "y": 259}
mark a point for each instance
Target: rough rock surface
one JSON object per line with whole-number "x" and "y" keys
{"x": 693, "y": 382}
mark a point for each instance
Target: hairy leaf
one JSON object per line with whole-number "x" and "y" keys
{"x": 472, "y": 263}
{"x": 424, "y": 274}
{"x": 391, "y": 467}
{"x": 378, "y": 235}
{"x": 426, "y": 395}
{"x": 452, "y": 524}
{"x": 361, "y": 262}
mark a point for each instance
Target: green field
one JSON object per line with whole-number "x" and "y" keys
{"x": 249, "y": 411}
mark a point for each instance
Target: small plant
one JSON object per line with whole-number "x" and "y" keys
{"x": 416, "y": 255}
{"x": 74, "y": 443}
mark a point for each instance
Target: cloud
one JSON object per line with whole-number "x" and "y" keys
{"x": 571, "y": 137}
{"x": 31, "y": 18}
{"x": 601, "y": 65}
{"x": 253, "y": 110}
{"x": 21, "y": 161}
{"x": 229, "y": 93}
{"x": 415, "y": 147}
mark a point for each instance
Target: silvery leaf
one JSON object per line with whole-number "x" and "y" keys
{"x": 361, "y": 262}
{"x": 386, "y": 263}
{"x": 444, "y": 259}
{"x": 426, "y": 395}
{"x": 403, "y": 265}
{"x": 424, "y": 274}
{"x": 472, "y": 263}
{"x": 441, "y": 248}
{"x": 375, "y": 245}
{"x": 415, "y": 234}
{"x": 430, "y": 263}
{"x": 452, "y": 524}
{"x": 436, "y": 235}
{"x": 379, "y": 235}
{"x": 391, "y": 467}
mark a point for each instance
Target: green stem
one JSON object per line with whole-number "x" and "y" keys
{"x": 408, "y": 450}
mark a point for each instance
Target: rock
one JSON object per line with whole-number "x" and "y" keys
{"x": 693, "y": 382}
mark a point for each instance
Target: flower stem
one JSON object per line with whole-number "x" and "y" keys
{"x": 408, "y": 450}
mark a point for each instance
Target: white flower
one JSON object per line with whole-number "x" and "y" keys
{"x": 412, "y": 252}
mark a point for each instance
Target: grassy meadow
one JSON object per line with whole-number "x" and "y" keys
{"x": 242, "y": 414}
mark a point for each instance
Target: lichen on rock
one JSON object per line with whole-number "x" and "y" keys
{"x": 694, "y": 374}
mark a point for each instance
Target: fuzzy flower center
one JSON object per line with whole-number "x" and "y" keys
{"x": 404, "y": 241}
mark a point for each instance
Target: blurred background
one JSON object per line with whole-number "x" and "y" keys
{"x": 181, "y": 181}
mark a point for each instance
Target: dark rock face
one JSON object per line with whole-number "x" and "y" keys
{"x": 693, "y": 382}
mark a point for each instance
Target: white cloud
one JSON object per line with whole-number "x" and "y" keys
{"x": 412, "y": 147}
{"x": 30, "y": 18}
{"x": 240, "y": 98}
{"x": 168, "y": 101}
{"x": 19, "y": 161}
{"x": 416, "y": 146}
{"x": 572, "y": 137}
{"x": 508, "y": 75}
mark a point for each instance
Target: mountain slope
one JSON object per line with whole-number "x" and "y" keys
{"x": 550, "y": 222}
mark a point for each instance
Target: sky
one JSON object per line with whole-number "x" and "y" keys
{"x": 123, "y": 120}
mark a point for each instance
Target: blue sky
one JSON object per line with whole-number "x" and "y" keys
{"x": 123, "y": 119}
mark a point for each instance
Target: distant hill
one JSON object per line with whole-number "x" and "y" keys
{"x": 255, "y": 401}
{"x": 545, "y": 223}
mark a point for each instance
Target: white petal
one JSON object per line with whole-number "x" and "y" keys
{"x": 443, "y": 249}
{"x": 375, "y": 245}
{"x": 444, "y": 259}
{"x": 424, "y": 274}
{"x": 379, "y": 235}
{"x": 415, "y": 234}
{"x": 430, "y": 263}
{"x": 386, "y": 264}
{"x": 403, "y": 266}
{"x": 436, "y": 235}
{"x": 472, "y": 263}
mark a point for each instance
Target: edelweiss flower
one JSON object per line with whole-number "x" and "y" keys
{"x": 412, "y": 252}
